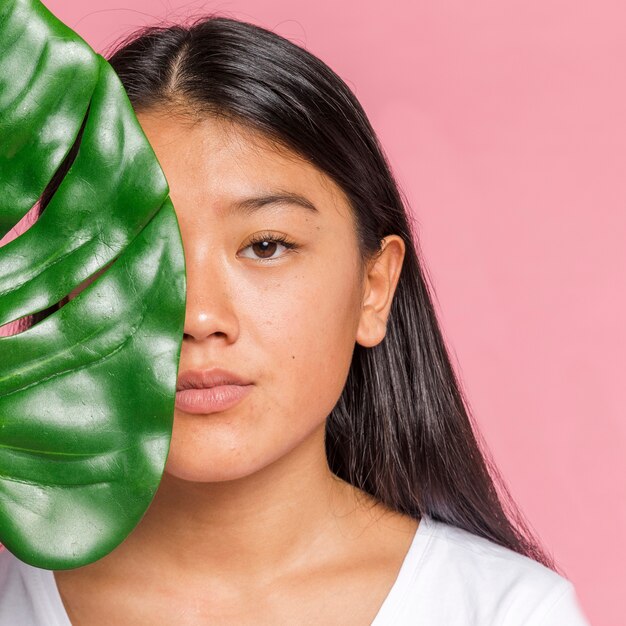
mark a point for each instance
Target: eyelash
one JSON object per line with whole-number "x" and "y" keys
{"x": 291, "y": 246}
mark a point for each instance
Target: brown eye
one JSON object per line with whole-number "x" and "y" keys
{"x": 265, "y": 246}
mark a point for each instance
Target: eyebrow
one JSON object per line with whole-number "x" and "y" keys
{"x": 248, "y": 206}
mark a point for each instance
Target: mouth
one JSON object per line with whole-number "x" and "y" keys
{"x": 211, "y": 399}
{"x": 207, "y": 378}
{"x": 211, "y": 390}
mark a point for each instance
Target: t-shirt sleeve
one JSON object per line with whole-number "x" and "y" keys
{"x": 564, "y": 609}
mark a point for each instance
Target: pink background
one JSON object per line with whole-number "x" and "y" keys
{"x": 504, "y": 123}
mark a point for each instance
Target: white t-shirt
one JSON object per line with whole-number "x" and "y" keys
{"x": 449, "y": 577}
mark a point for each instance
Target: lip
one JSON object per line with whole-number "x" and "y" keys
{"x": 197, "y": 379}
{"x": 211, "y": 400}
{"x": 210, "y": 390}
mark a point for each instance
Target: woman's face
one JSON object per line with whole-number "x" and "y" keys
{"x": 284, "y": 318}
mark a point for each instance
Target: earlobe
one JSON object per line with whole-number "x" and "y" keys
{"x": 380, "y": 284}
{"x": 371, "y": 330}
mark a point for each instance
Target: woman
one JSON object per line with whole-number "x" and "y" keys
{"x": 333, "y": 475}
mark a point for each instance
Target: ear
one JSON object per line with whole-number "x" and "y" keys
{"x": 380, "y": 281}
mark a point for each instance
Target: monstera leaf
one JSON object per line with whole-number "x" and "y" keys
{"x": 86, "y": 394}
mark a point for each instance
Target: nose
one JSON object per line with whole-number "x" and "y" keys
{"x": 209, "y": 310}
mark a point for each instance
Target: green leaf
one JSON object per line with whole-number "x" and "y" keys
{"x": 87, "y": 394}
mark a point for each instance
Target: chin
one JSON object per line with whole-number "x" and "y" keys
{"x": 205, "y": 471}
{"x": 216, "y": 456}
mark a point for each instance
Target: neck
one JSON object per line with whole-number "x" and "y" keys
{"x": 293, "y": 512}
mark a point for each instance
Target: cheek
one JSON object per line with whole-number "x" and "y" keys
{"x": 308, "y": 332}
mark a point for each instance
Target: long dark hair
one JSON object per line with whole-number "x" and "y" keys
{"x": 402, "y": 430}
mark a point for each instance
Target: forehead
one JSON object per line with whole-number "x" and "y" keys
{"x": 213, "y": 159}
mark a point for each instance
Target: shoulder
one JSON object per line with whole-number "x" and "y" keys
{"x": 18, "y": 592}
{"x": 11, "y": 587}
{"x": 493, "y": 583}
{"x": 8, "y": 570}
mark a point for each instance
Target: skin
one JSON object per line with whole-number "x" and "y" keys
{"x": 249, "y": 525}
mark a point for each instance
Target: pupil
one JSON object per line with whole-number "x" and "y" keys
{"x": 265, "y": 249}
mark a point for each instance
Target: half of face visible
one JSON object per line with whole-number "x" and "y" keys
{"x": 273, "y": 289}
